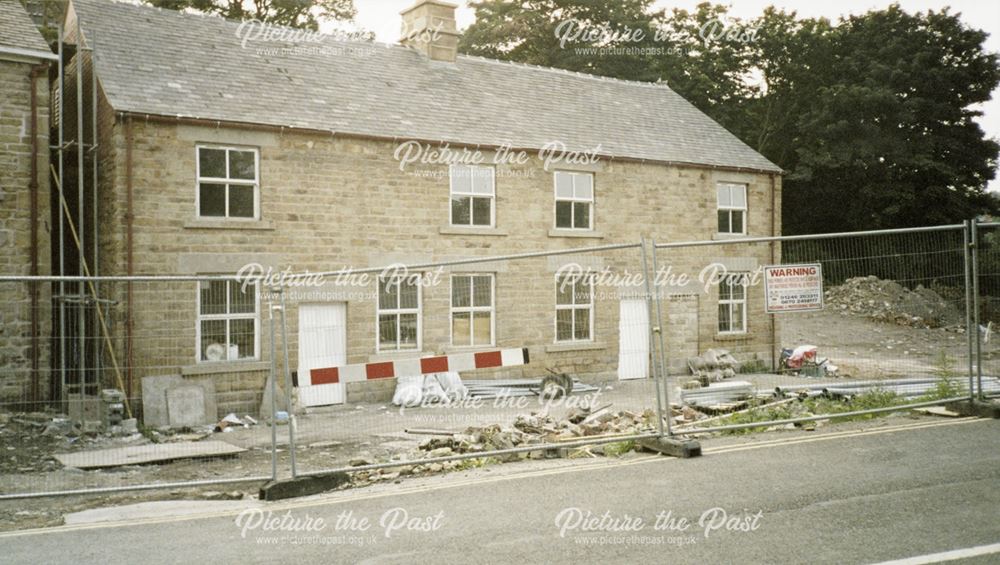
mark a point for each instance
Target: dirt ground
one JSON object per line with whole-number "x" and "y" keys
{"x": 867, "y": 349}
{"x": 337, "y": 436}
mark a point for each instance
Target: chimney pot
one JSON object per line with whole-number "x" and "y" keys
{"x": 429, "y": 27}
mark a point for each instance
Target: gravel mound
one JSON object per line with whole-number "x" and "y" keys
{"x": 889, "y": 301}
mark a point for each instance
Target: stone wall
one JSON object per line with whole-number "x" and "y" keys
{"x": 333, "y": 202}
{"x": 15, "y": 233}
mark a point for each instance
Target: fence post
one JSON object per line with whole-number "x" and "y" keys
{"x": 969, "y": 329}
{"x": 274, "y": 395}
{"x": 288, "y": 383}
{"x": 662, "y": 357}
{"x": 975, "y": 306}
{"x": 654, "y": 328}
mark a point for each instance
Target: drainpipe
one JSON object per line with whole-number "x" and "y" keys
{"x": 36, "y": 72}
{"x": 775, "y": 346}
{"x": 129, "y": 217}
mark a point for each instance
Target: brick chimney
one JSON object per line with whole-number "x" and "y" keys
{"x": 429, "y": 27}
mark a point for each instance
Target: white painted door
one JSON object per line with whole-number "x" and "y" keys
{"x": 322, "y": 344}
{"x": 633, "y": 339}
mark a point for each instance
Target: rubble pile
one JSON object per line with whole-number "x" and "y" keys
{"x": 29, "y": 439}
{"x": 532, "y": 429}
{"x": 712, "y": 366}
{"x": 888, "y": 301}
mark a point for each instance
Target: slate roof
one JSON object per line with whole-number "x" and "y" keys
{"x": 17, "y": 30}
{"x": 169, "y": 63}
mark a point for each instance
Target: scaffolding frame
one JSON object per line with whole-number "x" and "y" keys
{"x": 75, "y": 377}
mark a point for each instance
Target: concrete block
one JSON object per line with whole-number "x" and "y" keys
{"x": 154, "y": 399}
{"x": 81, "y": 408}
{"x": 302, "y": 486}
{"x": 977, "y": 408}
{"x": 683, "y": 448}
{"x": 186, "y": 405}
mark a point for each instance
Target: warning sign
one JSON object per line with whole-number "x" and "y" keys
{"x": 793, "y": 288}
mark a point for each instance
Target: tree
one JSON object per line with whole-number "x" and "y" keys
{"x": 305, "y": 14}
{"x": 889, "y": 137}
{"x": 872, "y": 117}
{"x": 564, "y": 34}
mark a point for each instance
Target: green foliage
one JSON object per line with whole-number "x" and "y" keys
{"x": 305, "y": 14}
{"x": 947, "y": 385}
{"x": 475, "y": 463}
{"x": 873, "y": 399}
{"x": 619, "y": 448}
{"x": 873, "y": 118}
{"x": 754, "y": 365}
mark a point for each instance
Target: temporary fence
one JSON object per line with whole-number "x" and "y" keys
{"x": 829, "y": 326}
{"x": 119, "y": 383}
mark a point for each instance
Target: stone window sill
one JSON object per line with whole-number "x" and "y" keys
{"x": 732, "y": 337}
{"x": 461, "y": 230}
{"x": 217, "y": 367}
{"x": 228, "y": 224}
{"x": 396, "y": 355}
{"x": 449, "y": 349}
{"x": 725, "y": 236}
{"x": 576, "y": 233}
{"x": 575, "y": 346}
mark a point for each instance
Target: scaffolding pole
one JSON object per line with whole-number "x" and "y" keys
{"x": 62, "y": 235}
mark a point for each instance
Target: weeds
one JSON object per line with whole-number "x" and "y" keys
{"x": 755, "y": 365}
{"x": 619, "y": 448}
{"x": 872, "y": 399}
{"x": 948, "y": 385}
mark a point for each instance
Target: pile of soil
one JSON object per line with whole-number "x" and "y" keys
{"x": 888, "y": 301}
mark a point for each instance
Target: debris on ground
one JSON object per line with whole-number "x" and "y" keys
{"x": 416, "y": 390}
{"x": 718, "y": 396}
{"x": 503, "y": 388}
{"x": 890, "y": 302}
{"x": 713, "y": 366}
{"x": 140, "y": 454}
{"x": 804, "y": 360}
{"x": 231, "y": 421}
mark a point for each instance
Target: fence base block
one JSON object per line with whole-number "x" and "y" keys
{"x": 976, "y": 408}
{"x": 302, "y": 486}
{"x": 674, "y": 447}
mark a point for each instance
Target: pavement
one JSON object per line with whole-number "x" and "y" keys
{"x": 923, "y": 490}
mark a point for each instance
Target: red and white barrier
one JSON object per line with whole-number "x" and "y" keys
{"x": 406, "y": 367}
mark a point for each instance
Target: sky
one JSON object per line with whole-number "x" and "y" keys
{"x": 382, "y": 17}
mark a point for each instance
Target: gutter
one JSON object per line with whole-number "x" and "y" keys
{"x": 207, "y": 122}
{"x": 29, "y": 53}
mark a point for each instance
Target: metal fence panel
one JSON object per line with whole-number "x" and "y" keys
{"x": 891, "y": 329}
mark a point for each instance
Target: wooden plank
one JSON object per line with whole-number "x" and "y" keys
{"x": 139, "y": 454}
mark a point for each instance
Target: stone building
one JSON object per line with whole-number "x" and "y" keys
{"x": 225, "y": 145}
{"x": 24, "y": 206}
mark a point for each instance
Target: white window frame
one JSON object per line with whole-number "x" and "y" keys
{"x": 733, "y": 280}
{"x": 397, "y": 312}
{"x": 228, "y": 317}
{"x": 472, "y": 310}
{"x": 574, "y": 198}
{"x": 255, "y": 183}
{"x": 471, "y": 193}
{"x": 589, "y": 306}
{"x": 731, "y": 209}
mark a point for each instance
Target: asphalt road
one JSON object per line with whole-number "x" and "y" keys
{"x": 890, "y": 491}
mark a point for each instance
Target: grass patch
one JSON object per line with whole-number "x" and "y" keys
{"x": 618, "y": 449}
{"x": 755, "y": 365}
{"x": 948, "y": 384}
{"x": 876, "y": 398}
{"x": 475, "y": 463}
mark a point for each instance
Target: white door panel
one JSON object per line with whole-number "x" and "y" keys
{"x": 322, "y": 344}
